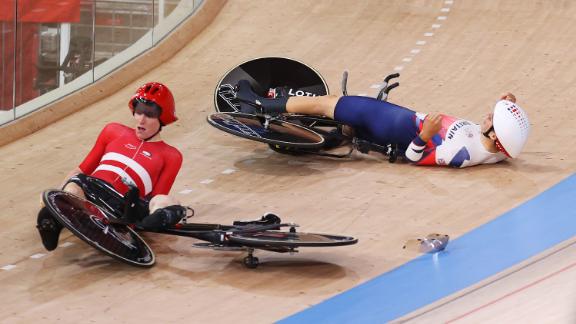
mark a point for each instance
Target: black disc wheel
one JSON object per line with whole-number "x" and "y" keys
{"x": 268, "y": 73}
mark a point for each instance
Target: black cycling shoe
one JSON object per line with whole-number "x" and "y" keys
{"x": 252, "y": 103}
{"x": 248, "y": 100}
{"x": 163, "y": 218}
{"x": 49, "y": 229}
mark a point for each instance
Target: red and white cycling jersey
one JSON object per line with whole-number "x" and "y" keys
{"x": 457, "y": 144}
{"x": 119, "y": 153}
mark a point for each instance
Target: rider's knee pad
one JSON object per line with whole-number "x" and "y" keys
{"x": 163, "y": 218}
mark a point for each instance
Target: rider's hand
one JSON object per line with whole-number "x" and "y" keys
{"x": 508, "y": 96}
{"x": 432, "y": 125}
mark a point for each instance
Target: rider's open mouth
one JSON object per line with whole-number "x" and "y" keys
{"x": 141, "y": 128}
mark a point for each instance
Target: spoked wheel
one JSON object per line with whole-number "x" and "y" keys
{"x": 90, "y": 224}
{"x": 268, "y": 73}
{"x": 272, "y": 131}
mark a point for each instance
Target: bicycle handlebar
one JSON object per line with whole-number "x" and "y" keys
{"x": 391, "y": 76}
{"x": 344, "y": 82}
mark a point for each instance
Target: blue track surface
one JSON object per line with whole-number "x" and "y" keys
{"x": 525, "y": 231}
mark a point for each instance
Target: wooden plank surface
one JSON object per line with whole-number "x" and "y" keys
{"x": 480, "y": 50}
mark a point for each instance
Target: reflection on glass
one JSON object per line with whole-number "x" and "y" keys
{"x": 7, "y": 38}
{"x": 119, "y": 24}
{"x": 65, "y": 50}
{"x": 53, "y": 46}
{"x": 51, "y": 53}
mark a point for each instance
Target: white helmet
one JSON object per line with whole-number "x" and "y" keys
{"x": 511, "y": 126}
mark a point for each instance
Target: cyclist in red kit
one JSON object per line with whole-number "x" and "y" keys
{"x": 134, "y": 156}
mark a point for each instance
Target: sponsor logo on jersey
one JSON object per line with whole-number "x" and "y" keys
{"x": 147, "y": 154}
{"x": 130, "y": 146}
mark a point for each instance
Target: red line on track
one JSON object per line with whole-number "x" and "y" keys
{"x": 513, "y": 293}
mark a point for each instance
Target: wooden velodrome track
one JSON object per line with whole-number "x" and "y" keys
{"x": 480, "y": 49}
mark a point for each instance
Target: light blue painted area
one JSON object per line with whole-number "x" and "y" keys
{"x": 525, "y": 231}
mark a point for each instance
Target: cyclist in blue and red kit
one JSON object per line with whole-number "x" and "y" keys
{"x": 427, "y": 139}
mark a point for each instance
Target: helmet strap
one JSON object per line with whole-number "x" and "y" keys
{"x": 487, "y": 133}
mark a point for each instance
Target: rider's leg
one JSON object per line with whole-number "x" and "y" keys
{"x": 165, "y": 211}
{"x": 48, "y": 227}
{"x": 74, "y": 189}
{"x": 377, "y": 121}
{"x": 250, "y": 101}
{"x": 321, "y": 106}
{"x": 161, "y": 201}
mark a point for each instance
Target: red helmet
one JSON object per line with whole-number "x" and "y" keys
{"x": 161, "y": 96}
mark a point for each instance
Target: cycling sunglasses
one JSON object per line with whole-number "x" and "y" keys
{"x": 146, "y": 107}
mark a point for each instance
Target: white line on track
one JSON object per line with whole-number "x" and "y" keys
{"x": 414, "y": 51}
{"x": 37, "y": 256}
{"x": 66, "y": 244}
{"x": 8, "y": 267}
{"x": 186, "y": 191}
{"x": 376, "y": 86}
{"x": 228, "y": 171}
{"x": 207, "y": 181}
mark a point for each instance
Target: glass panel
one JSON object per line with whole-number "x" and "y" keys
{"x": 7, "y": 38}
{"x": 170, "y": 14}
{"x": 54, "y": 51}
{"x": 123, "y": 31}
{"x": 58, "y": 46}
